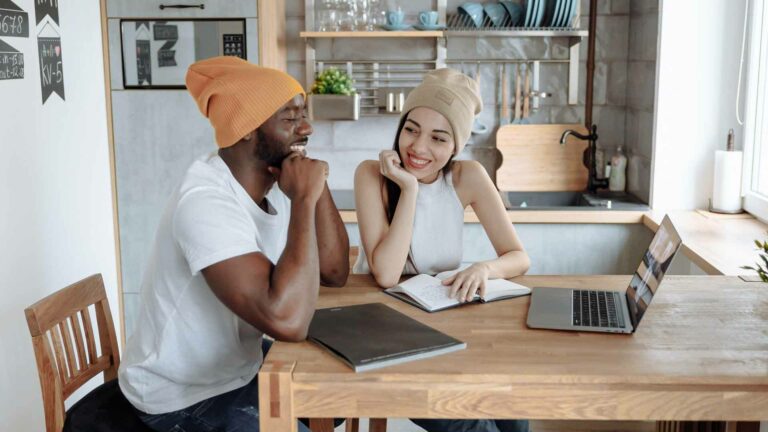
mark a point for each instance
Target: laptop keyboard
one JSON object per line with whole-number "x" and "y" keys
{"x": 597, "y": 309}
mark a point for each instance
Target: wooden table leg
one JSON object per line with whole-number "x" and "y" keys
{"x": 276, "y": 398}
{"x": 321, "y": 424}
{"x": 353, "y": 425}
{"x": 377, "y": 425}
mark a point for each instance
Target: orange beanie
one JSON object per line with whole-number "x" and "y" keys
{"x": 237, "y": 96}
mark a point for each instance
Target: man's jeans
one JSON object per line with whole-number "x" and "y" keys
{"x": 234, "y": 411}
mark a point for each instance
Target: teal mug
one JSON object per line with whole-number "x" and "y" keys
{"x": 395, "y": 17}
{"x": 428, "y": 18}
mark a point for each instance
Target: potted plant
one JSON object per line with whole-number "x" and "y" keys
{"x": 761, "y": 268}
{"x": 333, "y": 97}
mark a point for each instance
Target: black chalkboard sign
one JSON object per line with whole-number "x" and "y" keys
{"x": 51, "y": 66}
{"x": 166, "y": 32}
{"x": 234, "y": 46}
{"x": 143, "y": 62}
{"x": 11, "y": 62}
{"x": 47, "y": 7}
{"x": 13, "y": 20}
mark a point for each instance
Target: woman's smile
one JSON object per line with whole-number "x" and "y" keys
{"x": 416, "y": 162}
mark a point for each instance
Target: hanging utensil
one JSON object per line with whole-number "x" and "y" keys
{"x": 478, "y": 127}
{"x": 527, "y": 97}
{"x": 504, "y": 116}
{"x": 518, "y": 113}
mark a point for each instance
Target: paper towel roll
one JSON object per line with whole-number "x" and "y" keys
{"x": 726, "y": 193}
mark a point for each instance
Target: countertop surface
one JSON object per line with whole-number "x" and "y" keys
{"x": 624, "y": 211}
{"x": 718, "y": 244}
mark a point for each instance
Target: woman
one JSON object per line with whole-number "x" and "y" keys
{"x": 410, "y": 206}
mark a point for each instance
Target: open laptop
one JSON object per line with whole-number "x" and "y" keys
{"x": 607, "y": 311}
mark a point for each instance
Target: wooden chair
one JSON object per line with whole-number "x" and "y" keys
{"x": 354, "y": 251}
{"x": 65, "y": 344}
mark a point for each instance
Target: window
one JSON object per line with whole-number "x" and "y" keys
{"x": 755, "y": 172}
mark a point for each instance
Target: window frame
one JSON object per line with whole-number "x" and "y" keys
{"x": 756, "y": 110}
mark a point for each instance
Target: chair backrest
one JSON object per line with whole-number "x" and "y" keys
{"x": 64, "y": 340}
{"x": 354, "y": 251}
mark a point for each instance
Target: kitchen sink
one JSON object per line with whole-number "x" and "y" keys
{"x": 570, "y": 199}
{"x": 561, "y": 200}
{"x": 542, "y": 199}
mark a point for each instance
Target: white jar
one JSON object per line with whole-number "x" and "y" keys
{"x": 617, "y": 182}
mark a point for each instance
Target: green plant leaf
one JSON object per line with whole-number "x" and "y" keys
{"x": 333, "y": 81}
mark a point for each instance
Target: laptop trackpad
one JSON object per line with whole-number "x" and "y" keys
{"x": 550, "y": 308}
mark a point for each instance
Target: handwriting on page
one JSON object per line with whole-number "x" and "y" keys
{"x": 435, "y": 295}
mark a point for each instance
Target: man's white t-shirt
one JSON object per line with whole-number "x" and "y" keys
{"x": 187, "y": 345}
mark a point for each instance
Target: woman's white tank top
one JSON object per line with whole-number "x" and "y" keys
{"x": 438, "y": 225}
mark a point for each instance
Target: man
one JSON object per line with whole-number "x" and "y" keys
{"x": 236, "y": 256}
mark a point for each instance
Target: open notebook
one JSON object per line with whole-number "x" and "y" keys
{"x": 428, "y": 293}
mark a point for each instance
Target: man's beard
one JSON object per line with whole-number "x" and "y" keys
{"x": 272, "y": 152}
{"x": 269, "y": 151}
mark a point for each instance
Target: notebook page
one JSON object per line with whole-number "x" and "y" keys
{"x": 429, "y": 290}
{"x": 495, "y": 288}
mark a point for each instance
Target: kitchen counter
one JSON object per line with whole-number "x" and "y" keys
{"x": 623, "y": 211}
{"x": 718, "y": 244}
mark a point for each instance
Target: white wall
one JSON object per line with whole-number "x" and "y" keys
{"x": 698, "y": 66}
{"x": 55, "y": 197}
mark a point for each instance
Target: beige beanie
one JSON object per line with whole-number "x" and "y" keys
{"x": 452, "y": 94}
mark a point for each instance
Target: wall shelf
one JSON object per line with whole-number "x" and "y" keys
{"x": 371, "y": 34}
{"x": 447, "y": 33}
{"x": 543, "y": 32}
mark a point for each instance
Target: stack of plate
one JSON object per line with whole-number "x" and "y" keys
{"x": 549, "y": 13}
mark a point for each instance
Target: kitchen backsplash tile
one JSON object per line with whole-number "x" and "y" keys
{"x": 620, "y": 7}
{"x": 610, "y": 123}
{"x": 611, "y": 38}
{"x": 600, "y": 83}
{"x": 294, "y": 45}
{"x": 643, "y": 42}
{"x": 322, "y": 135}
{"x": 644, "y": 145}
{"x": 639, "y": 176}
{"x": 341, "y": 164}
{"x": 641, "y": 84}
{"x": 375, "y": 133}
{"x": 566, "y": 114}
{"x": 616, "y": 84}
{"x": 644, "y": 6}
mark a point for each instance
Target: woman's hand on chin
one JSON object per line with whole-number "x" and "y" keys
{"x": 391, "y": 167}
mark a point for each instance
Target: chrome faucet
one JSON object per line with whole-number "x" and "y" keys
{"x": 593, "y": 183}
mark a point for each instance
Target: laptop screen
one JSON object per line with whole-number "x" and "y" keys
{"x": 655, "y": 263}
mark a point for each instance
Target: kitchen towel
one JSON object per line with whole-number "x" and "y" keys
{"x": 726, "y": 191}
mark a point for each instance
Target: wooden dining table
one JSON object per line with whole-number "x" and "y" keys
{"x": 700, "y": 353}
